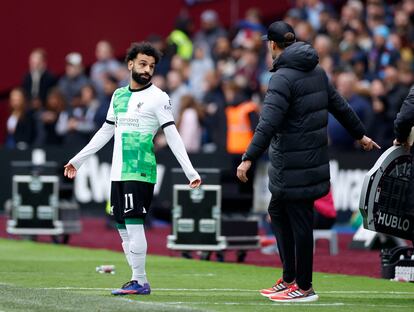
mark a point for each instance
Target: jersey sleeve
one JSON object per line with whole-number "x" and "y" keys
{"x": 110, "y": 116}
{"x": 163, "y": 111}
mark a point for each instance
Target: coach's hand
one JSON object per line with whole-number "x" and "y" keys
{"x": 70, "y": 171}
{"x": 368, "y": 144}
{"x": 196, "y": 183}
{"x": 242, "y": 170}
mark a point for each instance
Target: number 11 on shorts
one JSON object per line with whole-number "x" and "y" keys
{"x": 129, "y": 202}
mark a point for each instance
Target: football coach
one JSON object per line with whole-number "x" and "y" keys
{"x": 293, "y": 125}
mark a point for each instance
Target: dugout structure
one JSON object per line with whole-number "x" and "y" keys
{"x": 383, "y": 201}
{"x": 38, "y": 205}
{"x": 385, "y": 208}
{"x": 198, "y": 220}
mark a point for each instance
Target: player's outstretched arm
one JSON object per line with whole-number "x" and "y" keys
{"x": 101, "y": 137}
{"x": 177, "y": 147}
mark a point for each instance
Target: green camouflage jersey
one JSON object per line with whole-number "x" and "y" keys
{"x": 137, "y": 115}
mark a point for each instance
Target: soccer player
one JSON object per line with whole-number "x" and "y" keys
{"x": 135, "y": 114}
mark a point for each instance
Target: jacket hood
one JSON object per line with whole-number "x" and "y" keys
{"x": 300, "y": 55}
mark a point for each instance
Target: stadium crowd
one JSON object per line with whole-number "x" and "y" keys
{"x": 216, "y": 77}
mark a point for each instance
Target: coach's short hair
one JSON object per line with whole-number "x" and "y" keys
{"x": 142, "y": 48}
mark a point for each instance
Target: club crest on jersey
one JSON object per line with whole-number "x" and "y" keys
{"x": 139, "y": 104}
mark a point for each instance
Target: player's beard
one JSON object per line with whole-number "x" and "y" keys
{"x": 140, "y": 78}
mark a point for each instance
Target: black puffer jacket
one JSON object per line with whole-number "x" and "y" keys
{"x": 293, "y": 122}
{"x": 405, "y": 118}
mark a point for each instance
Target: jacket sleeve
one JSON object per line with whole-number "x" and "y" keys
{"x": 275, "y": 106}
{"x": 341, "y": 110}
{"x": 405, "y": 118}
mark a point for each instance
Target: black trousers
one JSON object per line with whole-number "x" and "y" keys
{"x": 292, "y": 222}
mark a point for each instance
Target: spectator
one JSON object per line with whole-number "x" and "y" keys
{"x": 242, "y": 118}
{"x": 249, "y": 31}
{"x": 160, "y": 82}
{"x": 348, "y": 47}
{"x": 252, "y": 22}
{"x": 221, "y": 49}
{"x": 167, "y": 53}
{"x": 74, "y": 79}
{"x": 80, "y": 118}
{"x": 247, "y": 71}
{"x": 176, "y": 89}
{"x": 21, "y": 123}
{"x": 38, "y": 81}
{"x": 110, "y": 84}
{"x": 377, "y": 13}
{"x": 351, "y": 11}
{"x": 223, "y": 59}
{"x": 199, "y": 66}
{"x": 304, "y": 31}
{"x": 359, "y": 66}
{"x": 210, "y": 31}
{"x": 313, "y": 9}
{"x": 382, "y": 53}
{"x": 189, "y": 123}
{"x": 265, "y": 76}
{"x": 53, "y": 119}
{"x": 106, "y": 64}
{"x": 338, "y": 136}
{"x": 323, "y": 46}
{"x": 334, "y": 30}
{"x": 215, "y": 119}
{"x": 179, "y": 38}
{"x": 181, "y": 66}
{"x": 294, "y": 16}
{"x": 387, "y": 97}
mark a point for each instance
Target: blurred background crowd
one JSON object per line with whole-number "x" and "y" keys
{"x": 217, "y": 77}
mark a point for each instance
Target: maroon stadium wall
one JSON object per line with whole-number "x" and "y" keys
{"x": 77, "y": 25}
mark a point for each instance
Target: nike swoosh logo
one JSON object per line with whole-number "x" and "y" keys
{"x": 128, "y": 210}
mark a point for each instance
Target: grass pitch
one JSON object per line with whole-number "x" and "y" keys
{"x": 46, "y": 277}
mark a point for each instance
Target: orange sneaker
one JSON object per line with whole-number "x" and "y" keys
{"x": 276, "y": 288}
{"x": 295, "y": 294}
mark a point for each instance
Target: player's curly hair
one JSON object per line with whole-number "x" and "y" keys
{"x": 142, "y": 48}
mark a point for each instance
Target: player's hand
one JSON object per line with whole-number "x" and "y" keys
{"x": 242, "y": 170}
{"x": 70, "y": 171}
{"x": 368, "y": 143}
{"x": 196, "y": 183}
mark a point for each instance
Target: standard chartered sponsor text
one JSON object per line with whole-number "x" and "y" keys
{"x": 128, "y": 122}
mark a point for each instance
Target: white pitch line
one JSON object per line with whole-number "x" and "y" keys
{"x": 183, "y": 304}
{"x": 177, "y": 305}
{"x": 72, "y": 288}
{"x": 252, "y": 303}
{"x": 366, "y": 292}
{"x": 239, "y": 290}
